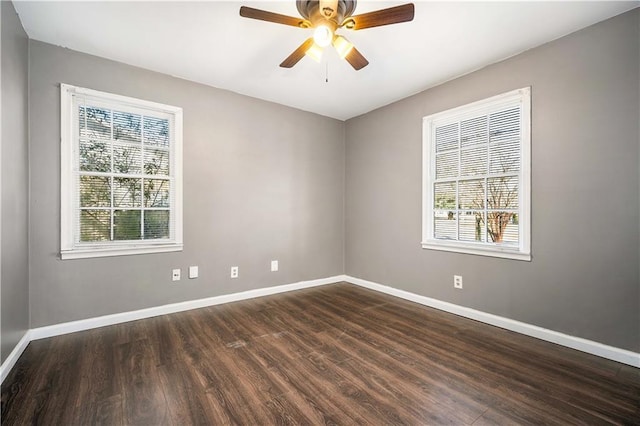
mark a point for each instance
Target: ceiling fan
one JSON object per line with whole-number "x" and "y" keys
{"x": 325, "y": 17}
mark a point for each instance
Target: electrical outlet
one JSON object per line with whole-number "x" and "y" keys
{"x": 175, "y": 275}
{"x": 274, "y": 266}
{"x": 457, "y": 281}
{"x": 193, "y": 272}
{"x": 234, "y": 272}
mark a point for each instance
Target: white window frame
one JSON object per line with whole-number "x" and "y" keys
{"x": 520, "y": 97}
{"x": 70, "y": 247}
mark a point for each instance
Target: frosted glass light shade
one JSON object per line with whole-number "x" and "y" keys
{"x": 314, "y": 52}
{"x": 343, "y": 46}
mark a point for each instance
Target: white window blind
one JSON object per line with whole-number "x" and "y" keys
{"x": 121, "y": 175}
{"x": 476, "y": 189}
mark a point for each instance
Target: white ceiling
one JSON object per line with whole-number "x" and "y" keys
{"x": 208, "y": 42}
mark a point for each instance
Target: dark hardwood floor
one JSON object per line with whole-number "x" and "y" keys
{"x": 336, "y": 354}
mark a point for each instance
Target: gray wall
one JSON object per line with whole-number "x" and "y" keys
{"x": 583, "y": 279}
{"x": 264, "y": 181}
{"x": 15, "y": 182}
{"x": 261, "y": 182}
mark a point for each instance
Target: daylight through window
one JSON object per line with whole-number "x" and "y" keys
{"x": 121, "y": 175}
{"x": 476, "y": 187}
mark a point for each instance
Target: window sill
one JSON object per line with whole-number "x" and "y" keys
{"x": 485, "y": 251}
{"x": 89, "y": 252}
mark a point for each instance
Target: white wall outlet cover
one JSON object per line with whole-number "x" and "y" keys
{"x": 274, "y": 265}
{"x": 235, "y": 272}
{"x": 457, "y": 281}
{"x": 175, "y": 275}
{"x": 193, "y": 272}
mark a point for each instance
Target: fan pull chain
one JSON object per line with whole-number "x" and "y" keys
{"x": 326, "y": 78}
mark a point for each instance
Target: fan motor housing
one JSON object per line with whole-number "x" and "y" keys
{"x": 310, "y": 10}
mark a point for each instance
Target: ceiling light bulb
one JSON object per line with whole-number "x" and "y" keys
{"x": 343, "y": 46}
{"x": 314, "y": 52}
{"x": 322, "y": 36}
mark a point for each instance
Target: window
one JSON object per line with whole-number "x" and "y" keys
{"x": 476, "y": 185}
{"x": 121, "y": 175}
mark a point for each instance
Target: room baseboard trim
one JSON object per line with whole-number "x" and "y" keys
{"x": 584, "y": 345}
{"x": 589, "y": 346}
{"x": 11, "y": 360}
{"x": 102, "y": 321}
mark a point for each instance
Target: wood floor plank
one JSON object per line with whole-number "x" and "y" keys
{"x": 143, "y": 399}
{"x": 20, "y": 386}
{"x": 336, "y": 354}
{"x": 186, "y": 400}
{"x": 100, "y": 389}
{"x": 60, "y": 385}
{"x": 300, "y": 410}
{"x": 315, "y": 378}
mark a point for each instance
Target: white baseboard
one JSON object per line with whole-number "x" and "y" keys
{"x": 584, "y": 345}
{"x": 11, "y": 360}
{"x": 89, "y": 323}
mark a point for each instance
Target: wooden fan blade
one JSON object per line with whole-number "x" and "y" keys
{"x": 297, "y": 54}
{"x": 263, "y": 15}
{"x": 392, "y": 15}
{"x": 355, "y": 58}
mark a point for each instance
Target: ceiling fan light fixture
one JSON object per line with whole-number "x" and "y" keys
{"x": 326, "y": 17}
{"x": 343, "y": 46}
{"x": 323, "y": 35}
{"x": 314, "y": 52}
